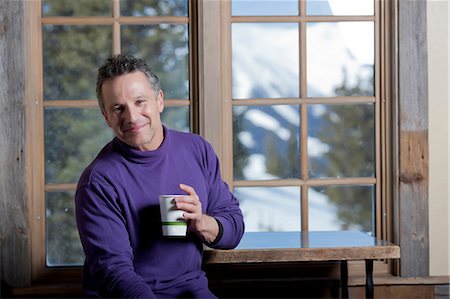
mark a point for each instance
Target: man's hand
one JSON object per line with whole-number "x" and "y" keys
{"x": 204, "y": 226}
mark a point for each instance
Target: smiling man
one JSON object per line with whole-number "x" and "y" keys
{"x": 117, "y": 195}
{"x": 131, "y": 108}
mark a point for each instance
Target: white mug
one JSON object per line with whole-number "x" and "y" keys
{"x": 173, "y": 223}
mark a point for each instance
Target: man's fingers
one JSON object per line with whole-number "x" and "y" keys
{"x": 188, "y": 189}
{"x": 189, "y": 203}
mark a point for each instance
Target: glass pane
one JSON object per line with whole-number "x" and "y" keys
{"x": 73, "y": 138}
{"x": 266, "y": 142}
{"x": 263, "y": 68}
{"x": 176, "y": 118}
{"x": 62, "y": 239}
{"x": 264, "y": 7}
{"x": 270, "y": 208}
{"x": 79, "y": 8}
{"x": 342, "y": 208}
{"x": 340, "y": 59}
{"x": 340, "y": 7}
{"x": 72, "y": 55}
{"x": 341, "y": 140}
{"x": 165, "y": 47}
{"x": 138, "y": 8}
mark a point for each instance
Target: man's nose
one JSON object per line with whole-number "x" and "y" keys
{"x": 130, "y": 114}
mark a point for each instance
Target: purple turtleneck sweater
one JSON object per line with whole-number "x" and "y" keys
{"x": 118, "y": 218}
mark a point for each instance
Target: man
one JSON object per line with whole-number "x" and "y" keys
{"x": 117, "y": 195}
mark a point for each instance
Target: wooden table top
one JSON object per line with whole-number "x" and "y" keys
{"x": 258, "y": 247}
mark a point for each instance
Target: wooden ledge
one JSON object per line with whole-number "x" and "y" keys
{"x": 303, "y": 255}
{"x": 397, "y": 280}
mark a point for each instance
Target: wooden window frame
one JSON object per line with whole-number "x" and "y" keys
{"x": 402, "y": 36}
{"x": 215, "y": 24}
{"x": 408, "y": 117}
{"x": 304, "y": 183}
{"x": 37, "y": 106}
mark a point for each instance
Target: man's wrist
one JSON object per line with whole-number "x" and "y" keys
{"x": 208, "y": 229}
{"x": 219, "y": 234}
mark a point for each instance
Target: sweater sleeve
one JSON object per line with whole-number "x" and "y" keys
{"x": 109, "y": 256}
{"x": 223, "y": 206}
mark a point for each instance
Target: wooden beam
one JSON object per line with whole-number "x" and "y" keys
{"x": 14, "y": 229}
{"x": 412, "y": 177}
{"x": 210, "y": 84}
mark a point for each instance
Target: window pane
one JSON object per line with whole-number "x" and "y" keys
{"x": 73, "y": 137}
{"x": 138, "y": 8}
{"x": 63, "y": 242}
{"x": 270, "y": 208}
{"x": 263, "y": 68}
{"x": 341, "y": 208}
{"x": 340, "y": 59}
{"x": 176, "y": 118}
{"x": 72, "y": 55}
{"x": 339, "y": 7}
{"x": 266, "y": 142}
{"x": 264, "y": 7}
{"x": 341, "y": 140}
{"x": 165, "y": 47}
{"x": 79, "y": 8}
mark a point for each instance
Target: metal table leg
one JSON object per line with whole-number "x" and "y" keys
{"x": 369, "y": 279}
{"x": 344, "y": 280}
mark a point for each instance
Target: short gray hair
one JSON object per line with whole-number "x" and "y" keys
{"x": 122, "y": 64}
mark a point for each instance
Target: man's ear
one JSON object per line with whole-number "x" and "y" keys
{"x": 160, "y": 101}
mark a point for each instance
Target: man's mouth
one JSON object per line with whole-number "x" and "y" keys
{"x": 134, "y": 129}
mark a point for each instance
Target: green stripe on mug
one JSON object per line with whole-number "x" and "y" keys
{"x": 174, "y": 223}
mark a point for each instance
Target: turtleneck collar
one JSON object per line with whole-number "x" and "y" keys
{"x": 143, "y": 157}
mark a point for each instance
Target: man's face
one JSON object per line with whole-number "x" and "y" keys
{"x": 133, "y": 111}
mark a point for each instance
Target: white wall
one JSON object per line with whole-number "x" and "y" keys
{"x": 438, "y": 12}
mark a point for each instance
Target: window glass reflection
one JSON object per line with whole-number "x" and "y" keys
{"x": 340, "y": 59}
{"x": 333, "y": 208}
{"x": 73, "y": 138}
{"x": 265, "y": 60}
{"x": 72, "y": 55}
{"x": 137, "y": 8}
{"x": 270, "y": 208}
{"x": 339, "y": 7}
{"x": 341, "y": 140}
{"x": 79, "y": 8}
{"x": 266, "y": 142}
{"x": 165, "y": 47}
{"x": 62, "y": 238}
{"x": 264, "y": 7}
{"x": 176, "y": 118}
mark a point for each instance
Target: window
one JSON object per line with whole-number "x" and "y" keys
{"x": 305, "y": 113}
{"x": 77, "y": 36}
{"x": 301, "y": 134}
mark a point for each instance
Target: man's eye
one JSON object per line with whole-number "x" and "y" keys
{"x": 117, "y": 109}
